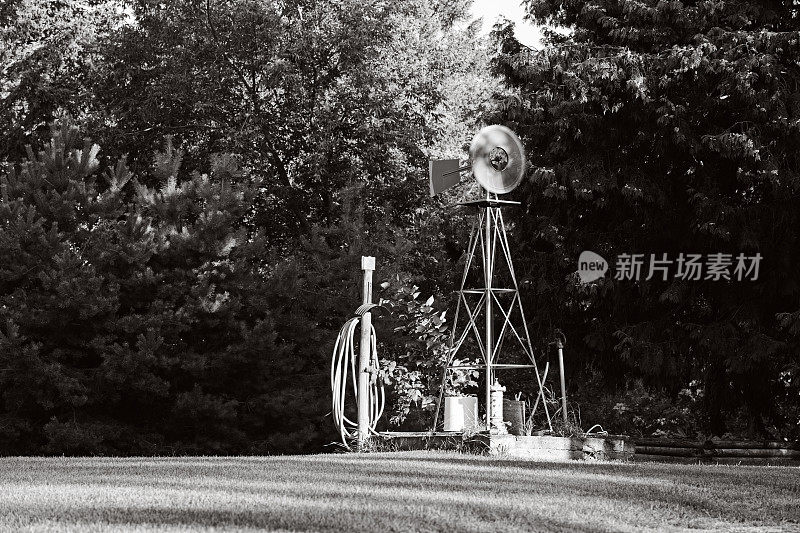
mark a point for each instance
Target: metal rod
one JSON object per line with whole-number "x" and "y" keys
{"x": 439, "y": 400}
{"x": 560, "y": 346}
{"x": 483, "y": 291}
{"x": 368, "y": 266}
{"x": 487, "y": 269}
{"x": 539, "y": 396}
{"x": 470, "y": 323}
{"x": 472, "y": 318}
{"x": 539, "y": 379}
{"x": 473, "y": 240}
{"x": 506, "y": 322}
{"x": 495, "y": 366}
{"x": 475, "y": 236}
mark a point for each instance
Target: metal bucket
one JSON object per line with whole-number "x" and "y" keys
{"x": 514, "y": 412}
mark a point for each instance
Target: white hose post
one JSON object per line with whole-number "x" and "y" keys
{"x": 356, "y": 377}
{"x": 368, "y": 266}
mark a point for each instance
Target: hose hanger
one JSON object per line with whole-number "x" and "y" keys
{"x": 361, "y": 369}
{"x": 344, "y": 367}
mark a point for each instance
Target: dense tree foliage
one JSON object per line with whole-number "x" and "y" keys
{"x": 316, "y": 97}
{"x": 187, "y": 301}
{"x": 47, "y": 50}
{"x": 146, "y": 325}
{"x": 666, "y": 127}
{"x": 180, "y": 289}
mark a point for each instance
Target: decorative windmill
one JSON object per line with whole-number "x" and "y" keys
{"x": 487, "y": 313}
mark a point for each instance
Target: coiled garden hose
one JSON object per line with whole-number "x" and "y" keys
{"x": 344, "y": 362}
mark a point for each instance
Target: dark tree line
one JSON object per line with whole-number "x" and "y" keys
{"x": 667, "y": 127}
{"x": 177, "y": 287}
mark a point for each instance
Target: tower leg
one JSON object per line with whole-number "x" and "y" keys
{"x": 487, "y": 269}
{"x": 539, "y": 379}
{"x": 473, "y": 240}
{"x": 439, "y": 401}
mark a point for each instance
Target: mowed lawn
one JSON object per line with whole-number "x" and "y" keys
{"x": 414, "y": 491}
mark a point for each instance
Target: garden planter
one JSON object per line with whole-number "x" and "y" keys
{"x": 460, "y": 413}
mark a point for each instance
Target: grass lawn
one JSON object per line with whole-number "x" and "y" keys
{"x": 414, "y": 491}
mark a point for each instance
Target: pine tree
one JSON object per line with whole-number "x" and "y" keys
{"x": 146, "y": 319}
{"x": 54, "y": 301}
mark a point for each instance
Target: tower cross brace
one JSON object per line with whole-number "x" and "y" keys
{"x": 488, "y": 235}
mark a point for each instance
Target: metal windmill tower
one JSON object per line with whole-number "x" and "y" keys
{"x": 487, "y": 312}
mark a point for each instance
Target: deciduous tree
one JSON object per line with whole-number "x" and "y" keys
{"x": 666, "y": 127}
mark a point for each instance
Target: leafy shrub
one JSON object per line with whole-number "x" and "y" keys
{"x": 639, "y": 410}
{"x": 417, "y": 353}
